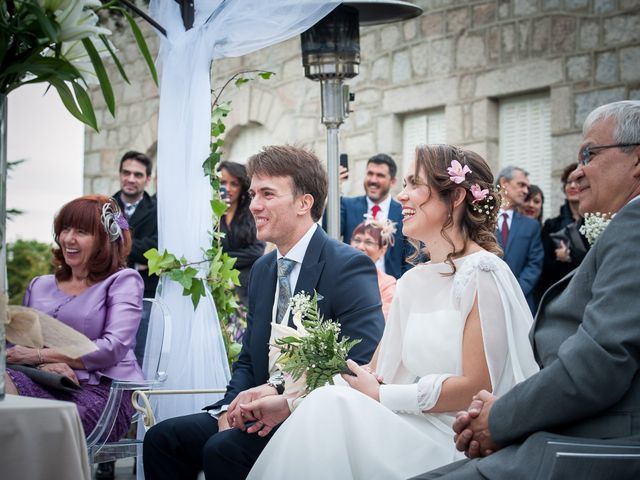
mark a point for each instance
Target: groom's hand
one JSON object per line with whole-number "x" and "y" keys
{"x": 237, "y": 417}
{"x": 268, "y": 412}
{"x": 363, "y": 381}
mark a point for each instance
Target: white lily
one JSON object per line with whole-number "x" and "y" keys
{"x": 54, "y": 5}
{"x": 77, "y": 20}
{"x": 77, "y": 55}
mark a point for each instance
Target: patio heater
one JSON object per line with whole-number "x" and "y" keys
{"x": 330, "y": 55}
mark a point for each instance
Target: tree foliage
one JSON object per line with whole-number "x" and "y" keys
{"x": 26, "y": 259}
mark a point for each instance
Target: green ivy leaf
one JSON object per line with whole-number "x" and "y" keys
{"x": 266, "y": 75}
{"x": 197, "y": 292}
{"x": 218, "y": 207}
{"x": 241, "y": 81}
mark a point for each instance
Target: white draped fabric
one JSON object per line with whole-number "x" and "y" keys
{"x": 222, "y": 28}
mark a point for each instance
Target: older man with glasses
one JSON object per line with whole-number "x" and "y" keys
{"x": 585, "y": 336}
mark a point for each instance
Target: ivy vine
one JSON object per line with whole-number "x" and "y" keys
{"x": 222, "y": 277}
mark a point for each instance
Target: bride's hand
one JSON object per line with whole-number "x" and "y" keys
{"x": 367, "y": 368}
{"x": 363, "y": 381}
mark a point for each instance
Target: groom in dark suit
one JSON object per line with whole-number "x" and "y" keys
{"x": 288, "y": 189}
{"x": 585, "y": 337}
{"x": 377, "y": 202}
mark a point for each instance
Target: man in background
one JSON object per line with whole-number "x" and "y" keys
{"x": 519, "y": 236}
{"x": 378, "y": 204}
{"x": 141, "y": 213}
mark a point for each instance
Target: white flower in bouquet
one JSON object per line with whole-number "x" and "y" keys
{"x": 313, "y": 352}
{"x": 594, "y": 225}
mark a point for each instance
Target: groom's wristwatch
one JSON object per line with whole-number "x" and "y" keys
{"x": 277, "y": 382}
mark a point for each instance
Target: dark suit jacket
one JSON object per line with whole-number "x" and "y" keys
{"x": 347, "y": 280}
{"x": 352, "y": 211}
{"x": 587, "y": 341}
{"x": 144, "y": 232}
{"x": 524, "y": 254}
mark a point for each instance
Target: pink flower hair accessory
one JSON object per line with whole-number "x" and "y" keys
{"x": 478, "y": 193}
{"x": 457, "y": 172}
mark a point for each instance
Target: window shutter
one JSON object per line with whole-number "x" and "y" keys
{"x": 525, "y": 139}
{"x": 424, "y": 127}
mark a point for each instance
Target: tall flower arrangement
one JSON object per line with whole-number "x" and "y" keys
{"x": 60, "y": 42}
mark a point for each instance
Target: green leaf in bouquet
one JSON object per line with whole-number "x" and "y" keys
{"x": 84, "y": 102}
{"x": 49, "y": 29}
{"x": 101, "y": 73}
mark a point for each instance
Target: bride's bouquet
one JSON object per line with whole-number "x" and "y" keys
{"x": 313, "y": 351}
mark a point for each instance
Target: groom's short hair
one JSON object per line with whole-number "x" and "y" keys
{"x": 302, "y": 166}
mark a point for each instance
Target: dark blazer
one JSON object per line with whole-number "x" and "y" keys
{"x": 352, "y": 212}
{"x": 587, "y": 342}
{"x": 144, "y": 232}
{"x": 524, "y": 254}
{"x": 347, "y": 280}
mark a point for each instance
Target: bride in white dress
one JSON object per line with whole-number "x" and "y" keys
{"x": 458, "y": 324}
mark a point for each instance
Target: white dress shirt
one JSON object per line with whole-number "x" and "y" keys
{"x": 382, "y": 215}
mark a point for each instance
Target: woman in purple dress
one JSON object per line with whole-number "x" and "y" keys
{"x": 92, "y": 292}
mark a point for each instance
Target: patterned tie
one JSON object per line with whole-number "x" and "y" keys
{"x": 374, "y": 211}
{"x": 129, "y": 209}
{"x": 285, "y": 265}
{"x": 504, "y": 231}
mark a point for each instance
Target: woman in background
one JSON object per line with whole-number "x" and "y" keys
{"x": 93, "y": 292}
{"x": 532, "y": 206}
{"x": 564, "y": 245}
{"x": 238, "y": 225}
{"x": 373, "y": 237}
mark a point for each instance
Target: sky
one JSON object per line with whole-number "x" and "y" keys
{"x": 41, "y": 131}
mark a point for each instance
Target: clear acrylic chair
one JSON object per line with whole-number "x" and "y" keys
{"x": 156, "y": 358}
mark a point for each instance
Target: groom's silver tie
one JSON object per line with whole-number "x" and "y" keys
{"x": 285, "y": 265}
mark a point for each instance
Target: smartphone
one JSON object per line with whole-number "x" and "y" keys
{"x": 223, "y": 192}
{"x": 344, "y": 160}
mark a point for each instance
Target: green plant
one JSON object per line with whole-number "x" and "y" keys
{"x": 222, "y": 277}
{"x": 59, "y": 42}
{"x": 26, "y": 259}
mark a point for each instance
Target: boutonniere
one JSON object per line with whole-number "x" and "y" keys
{"x": 594, "y": 225}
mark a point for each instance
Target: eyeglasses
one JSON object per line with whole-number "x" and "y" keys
{"x": 367, "y": 243}
{"x": 588, "y": 152}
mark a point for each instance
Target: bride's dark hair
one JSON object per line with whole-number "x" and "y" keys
{"x": 478, "y": 221}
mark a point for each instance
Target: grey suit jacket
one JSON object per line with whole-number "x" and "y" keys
{"x": 586, "y": 337}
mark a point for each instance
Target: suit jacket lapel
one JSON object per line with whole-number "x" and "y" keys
{"x": 548, "y": 295}
{"x": 311, "y": 267}
{"x": 515, "y": 226}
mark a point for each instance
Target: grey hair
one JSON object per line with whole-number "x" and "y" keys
{"x": 507, "y": 172}
{"x": 626, "y": 115}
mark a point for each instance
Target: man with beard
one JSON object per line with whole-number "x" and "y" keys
{"x": 378, "y": 204}
{"x": 519, "y": 236}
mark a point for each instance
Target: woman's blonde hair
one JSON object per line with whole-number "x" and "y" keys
{"x": 478, "y": 221}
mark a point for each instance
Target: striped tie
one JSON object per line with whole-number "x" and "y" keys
{"x": 285, "y": 265}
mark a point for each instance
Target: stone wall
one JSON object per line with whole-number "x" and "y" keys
{"x": 463, "y": 56}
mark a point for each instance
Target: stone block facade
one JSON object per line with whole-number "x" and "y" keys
{"x": 460, "y": 56}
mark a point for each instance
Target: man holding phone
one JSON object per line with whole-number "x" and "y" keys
{"x": 376, "y": 203}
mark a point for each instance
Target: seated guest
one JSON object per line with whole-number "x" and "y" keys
{"x": 237, "y": 224}
{"x": 586, "y": 335}
{"x": 373, "y": 237}
{"x": 564, "y": 245}
{"x": 533, "y": 202}
{"x": 288, "y": 190}
{"x": 93, "y": 292}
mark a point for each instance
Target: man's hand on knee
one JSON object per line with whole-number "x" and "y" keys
{"x": 223, "y": 422}
{"x": 237, "y": 418}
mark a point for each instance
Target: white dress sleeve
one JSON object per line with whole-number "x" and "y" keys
{"x": 505, "y": 319}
